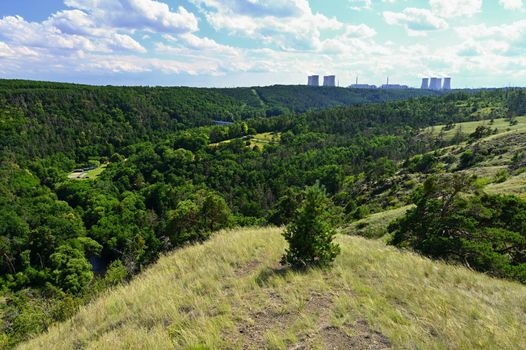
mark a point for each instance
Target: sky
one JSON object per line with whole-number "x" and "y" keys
{"x": 226, "y": 43}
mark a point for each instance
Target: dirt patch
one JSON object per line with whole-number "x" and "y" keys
{"x": 302, "y": 322}
{"x": 361, "y": 337}
{"x": 357, "y": 335}
{"x": 253, "y": 333}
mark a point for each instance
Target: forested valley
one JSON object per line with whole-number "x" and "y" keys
{"x": 166, "y": 167}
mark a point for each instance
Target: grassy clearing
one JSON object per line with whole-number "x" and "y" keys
{"x": 514, "y": 185}
{"x": 88, "y": 175}
{"x": 231, "y": 293}
{"x": 375, "y": 225}
{"x": 264, "y": 139}
{"x": 259, "y": 140}
{"x": 502, "y": 125}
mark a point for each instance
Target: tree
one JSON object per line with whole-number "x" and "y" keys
{"x": 454, "y": 221}
{"x": 196, "y": 217}
{"x": 480, "y": 132}
{"x": 310, "y": 234}
{"x": 71, "y": 270}
{"x": 283, "y": 210}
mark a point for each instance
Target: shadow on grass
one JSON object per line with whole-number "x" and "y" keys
{"x": 280, "y": 272}
{"x": 269, "y": 273}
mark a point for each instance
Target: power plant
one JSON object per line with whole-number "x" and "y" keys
{"x": 329, "y": 80}
{"x": 436, "y": 84}
{"x": 313, "y": 80}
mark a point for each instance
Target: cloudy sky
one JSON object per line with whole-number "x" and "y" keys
{"x": 262, "y": 42}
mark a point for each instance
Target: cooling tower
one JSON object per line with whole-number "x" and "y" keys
{"x": 329, "y": 80}
{"x": 447, "y": 84}
{"x": 436, "y": 84}
{"x": 314, "y": 80}
{"x": 425, "y": 83}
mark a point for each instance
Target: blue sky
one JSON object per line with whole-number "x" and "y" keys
{"x": 479, "y": 43}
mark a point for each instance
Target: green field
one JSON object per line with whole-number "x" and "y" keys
{"x": 502, "y": 125}
{"x": 259, "y": 140}
{"x": 231, "y": 293}
{"x": 264, "y": 139}
{"x": 88, "y": 175}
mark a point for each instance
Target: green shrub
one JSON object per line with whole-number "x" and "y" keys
{"x": 501, "y": 176}
{"x": 480, "y": 132}
{"x": 310, "y": 234}
{"x": 468, "y": 159}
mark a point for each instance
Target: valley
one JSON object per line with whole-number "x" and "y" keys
{"x": 183, "y": 217}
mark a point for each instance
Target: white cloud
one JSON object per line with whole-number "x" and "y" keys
{"x": 47, "y": 35}
{"x": 455, "y": 8}
{"x": 189, "y": 43}
{"x": 122, "y": 41}
{"x": 359, "y": 31}
{"x": 137, "y": 14}
{"x": 73, "y": 22}
{"x": 105, "y": 38}
{"x": 506, "y": 40}
{"x": 290, "y": 24}
{"x": 19, "y": 32}
{"x": 415, "y": 20}
{"x": 5, "y": 50}
{"x": 512, "y": 4}
{"x": 359, "y": 5}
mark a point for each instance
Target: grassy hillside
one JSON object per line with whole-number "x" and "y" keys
{"x": 499, "y": 125}
{"x": 231, "y": 293}
{"x": 375, "y": 225}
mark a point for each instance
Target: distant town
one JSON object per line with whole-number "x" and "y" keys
{"x": 434, "y": 83}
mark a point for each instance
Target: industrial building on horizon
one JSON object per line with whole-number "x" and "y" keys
{"x": 313, "y": 80}
{"x": 328, "y": 80}
{"x": 447, "y": 84}
{"x": 362, "y": 86}
{"x": 436, "y": 84}
{"x": 433, "y": 83}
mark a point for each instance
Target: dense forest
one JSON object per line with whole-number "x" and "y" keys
{"x": 40, "y": 119}
{"x": 171, "y": 177}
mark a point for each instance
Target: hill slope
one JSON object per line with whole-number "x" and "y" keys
{"x": 231, "y": 293}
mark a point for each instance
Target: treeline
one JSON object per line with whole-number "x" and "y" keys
{"x": 299, "y": 98}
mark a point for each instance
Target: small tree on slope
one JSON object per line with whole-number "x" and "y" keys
{"x": 310, "y": 232}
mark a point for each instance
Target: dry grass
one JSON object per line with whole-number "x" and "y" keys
{"x": 259, "y": 140}
{"x": 502, "y": 125}
{"x": 264, "y": 139}
{"x": 515, "y": 185}
{"x": 231, "y": 293}
{"x": 375, "y": 225}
